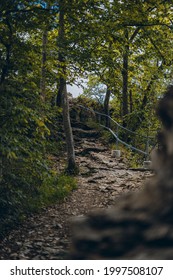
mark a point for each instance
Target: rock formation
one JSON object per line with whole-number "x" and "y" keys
{"x": 140, "y": 226}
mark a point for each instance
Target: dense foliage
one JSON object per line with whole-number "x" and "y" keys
{"x": 124, "y": 46}
{"x": 30, "y": 126}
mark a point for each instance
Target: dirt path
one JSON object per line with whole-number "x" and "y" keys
{"x": 101, "y": 181}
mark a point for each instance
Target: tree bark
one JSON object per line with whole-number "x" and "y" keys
{"x": 8, "y": 46}
{"x": 43, "y": 67}
{"x": 106, "y": 106}
{"x": 61, "y": 59}
{"x": 6, "y": 67}
{"x": 125, "y": 110}
{"x": 62, "y": 97}
{"x": 59, "y": 98}
{"x": 71, "y": 164}
{"x": 131, "y": 101}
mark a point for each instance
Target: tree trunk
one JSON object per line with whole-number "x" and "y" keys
{"x": 71, "y": 164}
{"x": 60, "y": 86}
{"x": 106, "y": 105}
{"x": 61, "y": 59}
{"x": 131, "y": 101}
{"x": 125, "y": 110}
{"x": 62, "y": 97}
{"x": 43, "y": 67}
{"x": 8, "y": 46}
{"x": 5, "y": 68}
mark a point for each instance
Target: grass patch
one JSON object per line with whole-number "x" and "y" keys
{"x": 16, "y": 205}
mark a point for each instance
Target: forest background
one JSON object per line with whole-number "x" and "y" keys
{"x": 124, "y": 50}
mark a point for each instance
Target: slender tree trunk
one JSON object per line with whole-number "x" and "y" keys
{"x": 131, "y": 101}
{"x": 5, "y": 69}
{"x": 106, "y": 105}
{"x": 62, "y": 97}
{"x": 61, "y": 59}
{"x": 43, "y": 67}
{"x": 71, "y": 164}
{"x": 61, "y": 83}
{"x": 125, "y": 110}
{"x": 8, "y": 46}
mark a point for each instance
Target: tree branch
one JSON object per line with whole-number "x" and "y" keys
{"x": 135, "y": 24}
{"x": 27, "y": 10}
{"x": 134, "y": 34}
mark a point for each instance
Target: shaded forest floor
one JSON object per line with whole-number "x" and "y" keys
{"x": 102, "y": 180}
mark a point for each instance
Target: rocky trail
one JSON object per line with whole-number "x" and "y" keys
{"x": 102, "y": 180}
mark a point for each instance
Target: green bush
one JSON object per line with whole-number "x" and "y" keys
{"x": 28, "y": 135}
